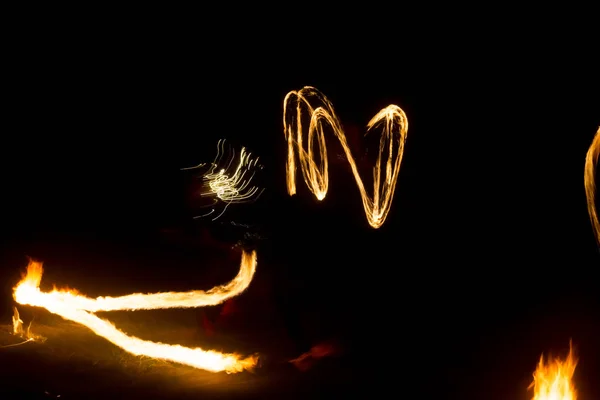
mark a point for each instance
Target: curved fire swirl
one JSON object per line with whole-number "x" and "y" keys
{"x": 315, "y": 172}
{"x": 591, "y": 160}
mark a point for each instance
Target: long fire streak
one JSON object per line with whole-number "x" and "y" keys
{"x": 320, "y": 110}
{"x": 230, "y": 186}
{"x": 76, "y": 307}
{"x": 553, "y": 380}
{"x": 591, "y": 160}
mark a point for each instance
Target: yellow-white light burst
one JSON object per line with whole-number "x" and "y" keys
{"x": 229, "y": 184}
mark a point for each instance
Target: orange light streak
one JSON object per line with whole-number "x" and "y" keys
{"x": 78, "y": 308}
{"x": 591, "y": 160}
{"x": 315, "y": 172}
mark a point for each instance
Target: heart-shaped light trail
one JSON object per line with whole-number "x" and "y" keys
{"x": 78, "y": 308}
{"x": 320, "y": 111}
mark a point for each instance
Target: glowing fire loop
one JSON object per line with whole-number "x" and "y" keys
{"x": 229, "y": 185}
{"x": 315, "y": 172}
{"x": 591, "y": 160}
{"x": 553, "y": 380}
{"x": 76, "y": 307}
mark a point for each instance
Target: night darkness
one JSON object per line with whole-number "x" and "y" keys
{"x": 486, "y": 261}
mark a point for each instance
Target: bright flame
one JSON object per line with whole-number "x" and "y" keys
{"x": 17, "y": 322}
{"x": 552, "y": 380}
{"x": 230, "y": 186}
{"x": 320, "y": 110}
{"x": 591, "y": 160}
{"x": 78, "y": 308}
{"x": 19, "y": 330}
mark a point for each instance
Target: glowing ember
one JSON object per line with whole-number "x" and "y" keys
{"x": 315, "y": 172}
{"x": 591, "y": 160}
{"x": 319, "y": 351}
{"x": 78, "y": 308}
{"x": 229, "y": 185}
{"x": 552, "y": 380}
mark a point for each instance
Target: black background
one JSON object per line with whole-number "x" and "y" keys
{"x": 488, "y": 227}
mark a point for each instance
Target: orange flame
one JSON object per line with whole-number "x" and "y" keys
{"x": 78, "y": 308}
{"x": 553, "y": 380}
{"x": 395, "y": 128}
{"x": 591, "y": 160}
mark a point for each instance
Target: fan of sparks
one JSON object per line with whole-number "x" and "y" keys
{"x": 309, "y": 104}
{"x": 227, "y": 183}
{"x": 76, "y": 307}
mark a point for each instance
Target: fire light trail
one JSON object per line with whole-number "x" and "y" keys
{"x": 78, "y": 308}
{"x": 154, "y": 301}
{"x": 591, "y": 160}
{"x": 315, "y": 173}
{"x": 230, "y": 188}
{"x": 554, "y": 380}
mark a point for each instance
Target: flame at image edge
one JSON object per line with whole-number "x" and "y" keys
{"x": 553, "y": 378}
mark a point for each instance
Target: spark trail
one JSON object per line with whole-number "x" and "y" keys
{"x": 591, "y": 160}
{"x": 320, "y": 111}
{"x": 226, "y": 184}
{"x": 73, "y": 306}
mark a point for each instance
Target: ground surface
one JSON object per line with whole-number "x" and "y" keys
{"x": 398, "y": 346}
